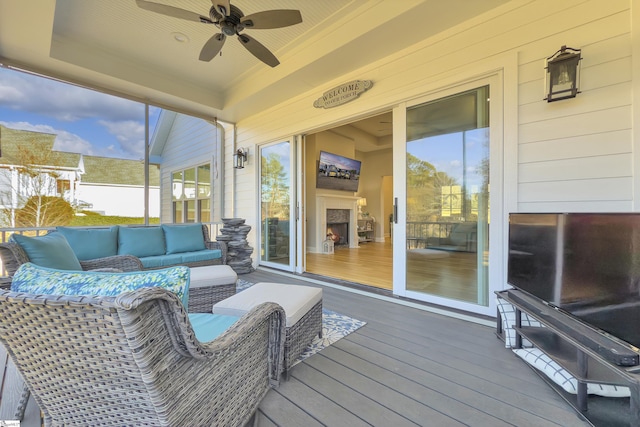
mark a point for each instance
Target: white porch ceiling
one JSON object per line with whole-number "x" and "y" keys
{"x": 121, "y": 48}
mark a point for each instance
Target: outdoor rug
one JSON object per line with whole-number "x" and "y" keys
{"x": 334, "y": 327}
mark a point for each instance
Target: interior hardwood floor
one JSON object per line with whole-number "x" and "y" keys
{"x": 444, "y": 273}
{"x": 370, "y": 264}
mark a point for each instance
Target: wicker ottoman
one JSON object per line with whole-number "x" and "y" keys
{"x": 210, "y": 284}
{"x": 302, "y": 306}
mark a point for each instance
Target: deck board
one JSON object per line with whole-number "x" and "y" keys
{"x": 445, "y": 366}
{"x": 397, "y": 393}
{"x": 341, "y": 389}
{"x": 406, "y": 367}
{"x": 321, "y": 407}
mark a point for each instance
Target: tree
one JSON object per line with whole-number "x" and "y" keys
{"x": 424, "y": 190}
{"x": 32, "y": 178}
{"x": 275, "y": 188}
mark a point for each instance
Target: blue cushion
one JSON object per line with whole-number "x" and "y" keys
{"x": 51, "y": 250}
{"x": 208, "y": 327}
{"x": 34, "y": 279}
{"x": 183, "y": 238}
{"x": 161, "y": 260}
{"x": 91, "y": 243}
{"x": 141, "y": 241}
{"x": 205, "y": 255}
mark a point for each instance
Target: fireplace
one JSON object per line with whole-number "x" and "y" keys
{"x": 338, "y": 226}
{"x": 336, "y": 215}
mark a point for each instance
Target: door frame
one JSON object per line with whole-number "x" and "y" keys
{"x": 294, "y": 179}
{"x": 495, "y": 80}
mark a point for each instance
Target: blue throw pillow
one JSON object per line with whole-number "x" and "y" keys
{"x": 183, "y": 238}
{"x": 91, "y": 243}
{"x": 51, "y": 250}
{"x": 34, "y": 279}
{"x": 141, "y": 241}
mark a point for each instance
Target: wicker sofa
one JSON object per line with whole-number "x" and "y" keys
{"x": 134, "y": 359}
{"x": 13, "y": 254}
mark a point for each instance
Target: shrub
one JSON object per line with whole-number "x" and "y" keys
{"x": 44, "y": 211}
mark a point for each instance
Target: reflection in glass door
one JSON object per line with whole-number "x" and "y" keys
{"x": 276, "y": 216}
{"x": 447, "y": 204}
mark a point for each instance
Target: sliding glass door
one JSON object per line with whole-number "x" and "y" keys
{"x": 445, "y": 199}
{"x": 277, "y": 214}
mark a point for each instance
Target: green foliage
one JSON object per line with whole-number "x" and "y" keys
{"x": 93, "y": 218}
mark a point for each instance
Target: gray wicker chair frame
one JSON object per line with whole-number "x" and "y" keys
{"x": 134, "y": 359}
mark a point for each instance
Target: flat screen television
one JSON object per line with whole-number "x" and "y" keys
{"x": 586, "y": 264}
{"x": 337, "y": 172}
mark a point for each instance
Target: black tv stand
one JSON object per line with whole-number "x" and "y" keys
{"x": 590, "y": 356}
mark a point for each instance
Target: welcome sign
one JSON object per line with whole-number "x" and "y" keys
{"x": 342, "y": 94}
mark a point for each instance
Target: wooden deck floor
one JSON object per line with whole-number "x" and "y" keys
{"x": 406, "y": 367}
{"x": 409, "y": 367}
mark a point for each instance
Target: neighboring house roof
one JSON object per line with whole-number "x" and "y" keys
{"x": 94, "y": 169}
{"x": 15, "y": 144}
{"x": 107, "y": 170}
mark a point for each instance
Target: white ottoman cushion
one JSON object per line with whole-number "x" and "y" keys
{"x": 294, "y": 299}
{"x": 212, "y": 275}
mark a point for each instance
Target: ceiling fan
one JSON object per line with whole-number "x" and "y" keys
{"x": 231, "y": 21}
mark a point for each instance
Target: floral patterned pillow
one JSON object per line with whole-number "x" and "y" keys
{"x": 34, "y": 279}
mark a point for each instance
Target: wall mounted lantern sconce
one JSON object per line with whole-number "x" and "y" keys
{"x": 563, "y": 74}
{"x": 239, "y": 158}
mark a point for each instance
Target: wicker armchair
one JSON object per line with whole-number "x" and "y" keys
{"x": 134, "y": 359}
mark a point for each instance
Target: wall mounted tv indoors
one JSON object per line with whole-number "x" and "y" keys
{"x": 585, "y": 264}
{"x": 337, "y": 172}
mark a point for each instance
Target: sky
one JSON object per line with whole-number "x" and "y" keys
{"x": 444, "y": 152}
{"x": 84, "y": 121}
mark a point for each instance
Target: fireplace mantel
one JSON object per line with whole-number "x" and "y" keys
{"x": 336, "y": 202}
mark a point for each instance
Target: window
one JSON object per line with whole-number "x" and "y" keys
{"x": 191, "y": 190}
{"x": 87, "y": 150}
{"x": 63, "y": 185}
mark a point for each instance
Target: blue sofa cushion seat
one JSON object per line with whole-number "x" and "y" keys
{"x": 91, "y": 243}
{"x": 180, "y": 258}
{"x": 208, "y": 327}
{"x": 161, "y": 260}
{"x": 34, "y": 279}
{"x": 204, "y": 255}
{"x": 51, "y": 250}
{"x": 183, "y": 238}
{"x": 141, "y": 241}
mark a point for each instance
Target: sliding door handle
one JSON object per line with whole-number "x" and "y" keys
{"x": 395, "y": 210}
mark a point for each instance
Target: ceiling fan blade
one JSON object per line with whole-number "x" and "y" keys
{"x": 272, "y": 19}
{"x": 222, "y": 6}
{"x": 212, "y": 47}
{"x": 258, "y": 50}
{"x": 174, "y": 12}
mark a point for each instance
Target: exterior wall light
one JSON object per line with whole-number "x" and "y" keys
{"x": 563, "y": 74}
{"x": 239, "y": 158}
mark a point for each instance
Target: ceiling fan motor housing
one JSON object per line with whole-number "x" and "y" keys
{"x": 229, "y": 25}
